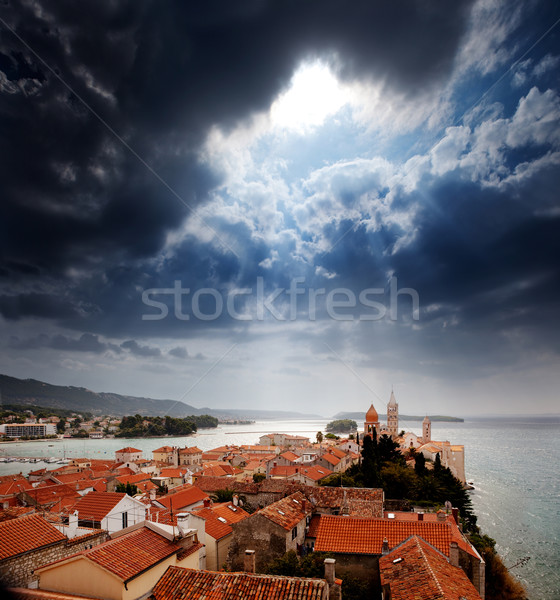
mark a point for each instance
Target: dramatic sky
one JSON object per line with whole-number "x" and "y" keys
{"x": 291, "y": 204}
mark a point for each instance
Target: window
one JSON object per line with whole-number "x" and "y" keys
{"x": 294, "y": 533}
{"x": 125, "y": 520}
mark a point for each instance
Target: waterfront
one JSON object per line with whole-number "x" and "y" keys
{"x": 515, "y": 467}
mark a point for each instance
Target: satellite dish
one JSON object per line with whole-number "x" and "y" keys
{"x": 448, "y": 504}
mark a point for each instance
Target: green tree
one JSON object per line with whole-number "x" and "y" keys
{"x": 420, "y": 464}
{"x": 61, "y": 426}
{"x": 319, "y": 437}
{"x": 370, "y": 461}
{"x": 258, "y": 477}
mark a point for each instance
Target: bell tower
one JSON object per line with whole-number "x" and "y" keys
{"x": 426, "y": 430}
{"x": 393, "y": 416}
{"x": 372, "y": 421}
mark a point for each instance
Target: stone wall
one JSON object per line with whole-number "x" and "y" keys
{"x": 260, "y": 534}
{"x": 18, "y": 570}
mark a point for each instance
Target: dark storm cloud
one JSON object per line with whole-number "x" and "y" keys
{"x": 85, "y": 343}
{"x": 138, "y": 350}
{"x": 179, "y": 352}
{"x": 160, "y": 76}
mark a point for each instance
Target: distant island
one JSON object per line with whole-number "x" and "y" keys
{"x": 358, "y": 416}
{"x": 342, "y": 426}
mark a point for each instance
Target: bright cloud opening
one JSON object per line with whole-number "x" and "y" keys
{"x": 314, "y": 95}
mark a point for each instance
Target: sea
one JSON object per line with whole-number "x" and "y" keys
{"x": 513, "y": 464}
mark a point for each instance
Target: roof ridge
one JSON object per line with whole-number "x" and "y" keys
{"x": 429, "y": 566}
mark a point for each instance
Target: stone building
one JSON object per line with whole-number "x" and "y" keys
{"x": 271, "y": 532}
{"x": 29, "y": 542}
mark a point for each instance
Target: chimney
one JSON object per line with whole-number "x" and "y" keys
{"x": 249, "y": 563}
{"x": 420, "y": 516}
{"x": 441, "y": 517}
{"x": 329, "y": 570}
{"x": 455, "y": 513}
{"x": 335, "y": 585}
{"x": 183, "y": 523}
{"x": 72, "y": 525}
{"x": 206, "y": 502}
{"x": 153, "y": 494}
{"x": 454, "y": 554}
{"x": 235, "y": 500}
{"x": 385, "y": 547}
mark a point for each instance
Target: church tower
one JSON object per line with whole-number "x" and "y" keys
{"x": 393, "y": 416}
{"x": 426, "y": 430}
{"x": 372, "y": 421}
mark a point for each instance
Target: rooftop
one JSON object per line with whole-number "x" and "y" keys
{"x": 127, "y": 555}
{"x": 26, "y": 533}
{"x": 287, "y": 512}
{"x": 128, "y": 450}
{"x": 96, "y": 505}
{"x": 353, "y": 535}
{"x": 184, "y": 496}
{"x": 187, "y": 584}
{"x": 415, "y": 570}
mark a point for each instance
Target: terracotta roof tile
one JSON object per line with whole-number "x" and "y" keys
{"x": 26, "y": 533}
{"x": 188, "y": 584}
{"x": 128, "y": 555}
{"x": 191, "y": 450}
{"x": 163, "y": 449}
{"x": 352, "y": 535}
{"x": 28, "y": 594}
{"x": 289, "y": 455}
{"x": 216, "y": 528}
{"x": 414, "y": 570}
{"x": 133, "y": 479}
{"x": 287, "y": 512}
{"x": 128, "y": 450}
{"x": 184, "y": 496}
{"x": 232, "y": 514}
{"x": 96, "y": 505}
{"x": 315, "y": 473}
{"x": 313, "y": 526}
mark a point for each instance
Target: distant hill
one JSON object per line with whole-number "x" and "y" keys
{"x": 78, "y": 399}
{"x": 360, "y": 416}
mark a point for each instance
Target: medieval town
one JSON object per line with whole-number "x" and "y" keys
{"x": 189, "y": 524}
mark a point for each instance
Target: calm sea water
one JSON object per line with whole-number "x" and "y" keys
{"x": 514, "y": 465}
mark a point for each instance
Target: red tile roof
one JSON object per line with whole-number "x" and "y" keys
{"x": 13, "y": 484}
{"x": 163, "y": 449}
{"x": 188, "y": 584}
{"x": 96, "y": 505}
{"x": 191, "y": 450}
{"x": 214, "y": 527}
{"x": 284, "y": 471}
{"x": 315, "y": 473}
{"x": 289, "y": 455}
{"x": 28, "y": 594}
{"x": 232, "y": 514}
{"x": 133, "y": 479}
{"x": 352, "y": 535}
{"x": 49, "y": 495}
{"x": 313, "y": 526}
{"x": 330, "y": 458}
{"x": 171, "y": 472}
{"x": 287, "y": 512}
{"x": 126, "y": 556}
{"x": 414, "y": 570}
{"x": 128, "y": 450}
{"x": 184, "y": 497}
{"x": 26, "y": 533}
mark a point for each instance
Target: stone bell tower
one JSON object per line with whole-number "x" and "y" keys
{"x": 393, "y": 416}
